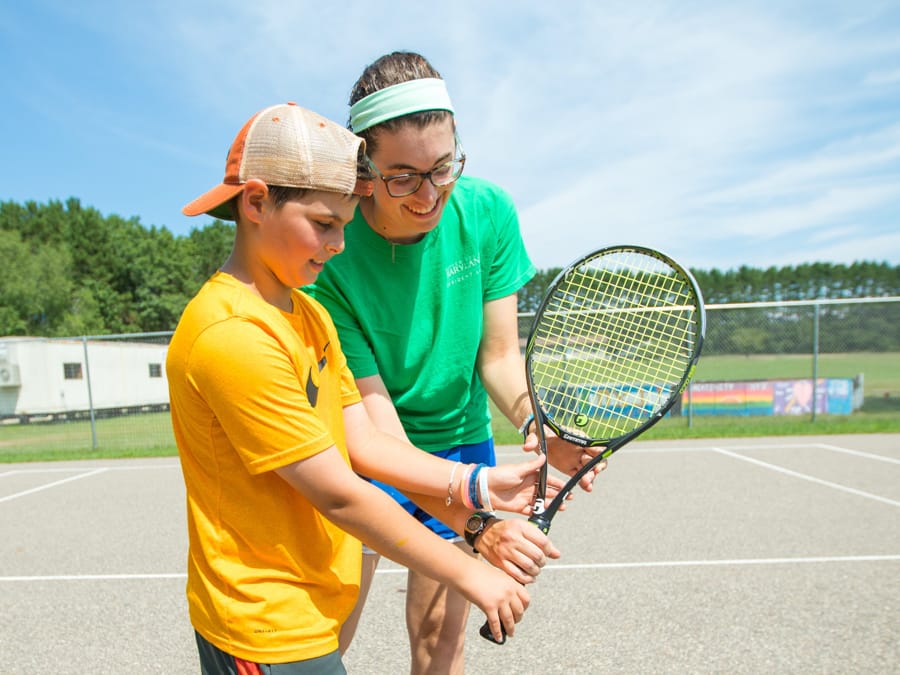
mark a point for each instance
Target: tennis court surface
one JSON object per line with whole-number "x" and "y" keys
{"x": 739, "y": 556}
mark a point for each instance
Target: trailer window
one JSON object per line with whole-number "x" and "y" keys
{"x": 72, "y": 371}
{"x": 155, "y": 370}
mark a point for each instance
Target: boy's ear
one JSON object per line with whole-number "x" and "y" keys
{"x": 253, "y": 199}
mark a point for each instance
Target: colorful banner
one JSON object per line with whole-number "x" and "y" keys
{"x": 834, "y": 396}
{"x": 630, "y": 401}
{"x": 730, "y": 398}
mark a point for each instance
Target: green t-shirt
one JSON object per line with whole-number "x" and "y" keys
{"x": 413, "y": 313}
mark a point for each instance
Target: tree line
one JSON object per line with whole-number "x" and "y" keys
{"x": 72, "y": 271}
{"x": 68, "y": 270}
{"x": 811, "y": 281}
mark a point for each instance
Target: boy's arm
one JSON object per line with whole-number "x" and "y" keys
{"x": 517, "y": 547}
{"x": 385, "y": 457}
{"x": 370, "y": 515}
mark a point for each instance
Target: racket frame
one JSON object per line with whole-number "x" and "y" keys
{"x": 542, "y": 513}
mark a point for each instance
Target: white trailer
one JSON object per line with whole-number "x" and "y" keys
{"x": 48, "y": 378}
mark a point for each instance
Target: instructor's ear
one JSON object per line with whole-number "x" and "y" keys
{"x": 254, "y": 199}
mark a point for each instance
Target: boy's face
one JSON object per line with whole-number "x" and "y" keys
{"x": 297, "y": 238}
{"x": 410, "y": 149}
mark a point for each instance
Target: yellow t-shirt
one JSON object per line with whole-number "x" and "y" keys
{"x": 253, "y": 389}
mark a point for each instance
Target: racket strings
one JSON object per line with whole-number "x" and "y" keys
{"x": 613, "y": 343}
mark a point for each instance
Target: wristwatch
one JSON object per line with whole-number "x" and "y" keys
{"x": 475, "y": 525}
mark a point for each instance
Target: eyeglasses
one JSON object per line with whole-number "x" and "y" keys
{"x": 405, "y": 184}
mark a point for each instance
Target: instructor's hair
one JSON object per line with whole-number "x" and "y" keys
{"x": 386, "y": 71}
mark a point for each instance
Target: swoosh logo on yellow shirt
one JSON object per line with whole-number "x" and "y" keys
{"x": 312, "y": 390}
{"x": 324, "y": 358}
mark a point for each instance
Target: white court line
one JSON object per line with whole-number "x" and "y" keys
{"x": 70, "y": 469}
{"x": 550, "y": 568}
{"x": 16, "y": 472}
{"x": 512, "y": 451}
{"x": 859, "y": 453}
{"x": 811, "y": 479}
{"x": 726, "y": 563}
{"x": 707, "y": 448}
{"x": 95, "y": 577}
{"x": 702, "y": 563}
{"x": 53, "y": 484}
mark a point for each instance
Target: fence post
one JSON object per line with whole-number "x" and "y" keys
{"x": 87, "y": 375}
{"x": 815, "y": 363}
{"x": 690, "y": 397}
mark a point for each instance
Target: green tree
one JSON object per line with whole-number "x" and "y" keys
{"x": 531, "y": 295}
{"x": 70, "y": 270}
{"x": 35, "y": 286}
{"x": 208, "y": 248}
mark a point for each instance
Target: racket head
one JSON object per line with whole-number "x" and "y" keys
{"x": 613, "y": 344}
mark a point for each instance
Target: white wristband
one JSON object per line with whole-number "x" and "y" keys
{"x": 484, "y": 492}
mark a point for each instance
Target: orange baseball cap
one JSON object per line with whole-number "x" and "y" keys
{"x": 289, "y": 146}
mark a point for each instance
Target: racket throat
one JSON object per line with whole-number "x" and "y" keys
{"x": 538, "y": 507}
{"x": 541, "y": 521}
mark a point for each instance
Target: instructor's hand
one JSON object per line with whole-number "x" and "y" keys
{"x": 568, "y": 458}
{"x": 517, "y": 547}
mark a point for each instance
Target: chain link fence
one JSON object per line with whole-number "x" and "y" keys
{"x": 828, "y": 357}
{"x": 87, "y": 393}
{"x": 799, "y": 358}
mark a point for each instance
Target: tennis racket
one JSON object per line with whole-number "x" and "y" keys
{"x": 613, "y": 344}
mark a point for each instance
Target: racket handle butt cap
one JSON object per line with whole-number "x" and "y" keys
{"x": 486, "y": 633}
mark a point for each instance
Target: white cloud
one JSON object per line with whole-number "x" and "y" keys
{"x": 732, "y": 134}
{"x": 736, "y": 129}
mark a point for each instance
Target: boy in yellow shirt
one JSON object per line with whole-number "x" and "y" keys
{"x": 267, "y": 416}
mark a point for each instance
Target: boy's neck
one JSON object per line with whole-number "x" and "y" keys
{"x": 265, "y": 286}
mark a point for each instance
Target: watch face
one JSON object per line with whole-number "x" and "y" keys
{"x": 474, "y": 522}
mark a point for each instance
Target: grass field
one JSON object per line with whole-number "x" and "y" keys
{"x": 149, "y": 435}
{"x": 144, "y": 435}
{"x": 881, "y": 370}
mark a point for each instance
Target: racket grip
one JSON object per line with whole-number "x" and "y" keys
{"x": 485, "y": 632}
{"x": 541, "y": 522}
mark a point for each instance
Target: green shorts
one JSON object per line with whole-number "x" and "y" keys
{"x": 213, "y": 661}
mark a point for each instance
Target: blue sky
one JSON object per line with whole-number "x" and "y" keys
{"x": 724, "y": 133}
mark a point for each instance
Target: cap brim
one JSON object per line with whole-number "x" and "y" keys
{"x": 214, "y": 202}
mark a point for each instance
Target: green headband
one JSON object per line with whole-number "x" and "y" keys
{"x": 428, "y": 93}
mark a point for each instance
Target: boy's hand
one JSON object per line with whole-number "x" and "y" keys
{"x": 502, "y": 599}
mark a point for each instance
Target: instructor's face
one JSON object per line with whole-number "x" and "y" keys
{"x": 411, "y": 150}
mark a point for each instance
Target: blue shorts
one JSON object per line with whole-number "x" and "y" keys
{"x": 475, "y": 453}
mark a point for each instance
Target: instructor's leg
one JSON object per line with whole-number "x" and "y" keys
{"x": 436, "y": 620}
{"x": 348, "y": 630}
